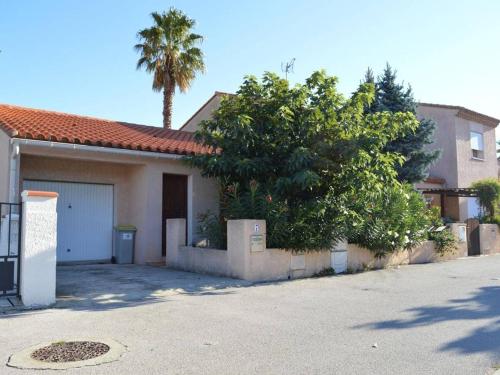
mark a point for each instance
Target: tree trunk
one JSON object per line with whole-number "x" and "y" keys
{"x": 168, "y": 96}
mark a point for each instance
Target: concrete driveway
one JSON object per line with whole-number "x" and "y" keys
{"x": 425, "y": 319}
{"x": 109, "y": 286}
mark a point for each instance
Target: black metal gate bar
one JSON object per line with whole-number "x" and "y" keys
{"x": 10, "y": 228}
{"x": 10, "y": 263}
{"x": 19, "y": 223}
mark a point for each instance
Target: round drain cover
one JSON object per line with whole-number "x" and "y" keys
{"x": 63, "y": 355}
{"x": 70, "y": 351}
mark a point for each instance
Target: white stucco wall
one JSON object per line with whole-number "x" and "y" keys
{"x": 359, "y": 258}
{"x": 138, "y": 184}
{"x": 239, "y": 261}
{"x": 4, "y": 166}
{"x": 38, "y": 250}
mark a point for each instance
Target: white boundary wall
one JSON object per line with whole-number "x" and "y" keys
{"x": 489, "y": 239}
{"x": 246, "y": 257}
{"x": 359, "y": 258}
{"x": 38, "y": 249}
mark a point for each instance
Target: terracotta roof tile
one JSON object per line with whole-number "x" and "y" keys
{"x": 28, "y": 123}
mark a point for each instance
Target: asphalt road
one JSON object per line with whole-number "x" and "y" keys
{"x": 422, "y": 319}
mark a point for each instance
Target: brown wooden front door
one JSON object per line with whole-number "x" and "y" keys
{"x": 473, "y": 244}
{"x": 174, "y": 202}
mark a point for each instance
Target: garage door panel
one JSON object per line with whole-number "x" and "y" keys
{"x": 85, "y": 219}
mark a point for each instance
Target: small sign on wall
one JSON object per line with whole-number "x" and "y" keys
{"x": 256, "y": 228}
{"x": 257, "y": 243}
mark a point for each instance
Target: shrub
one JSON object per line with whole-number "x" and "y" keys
{"x": 488, "y": 194}
{"x": 490, "y": 219}
{"x": 394, "y": 219}
{"x": 444, "y": 240}
{"x": 254, "y": 203}
{"x": 434, "y": 216}
{"x": 248, "y": 204}
{"x": 213, "y": 229}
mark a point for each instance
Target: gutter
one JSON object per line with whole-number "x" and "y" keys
{"x": 86, "y": 148}
{"x": 14, "y": 173}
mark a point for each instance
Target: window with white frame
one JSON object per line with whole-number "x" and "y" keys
{"x": 477, "y": 145}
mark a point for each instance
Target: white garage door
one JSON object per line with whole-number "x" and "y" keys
{"x": 84, "y": 219}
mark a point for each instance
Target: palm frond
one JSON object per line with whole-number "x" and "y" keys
{"x": 169, "y": 50}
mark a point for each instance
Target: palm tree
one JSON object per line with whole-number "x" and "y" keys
{"x": 169, "y": 50}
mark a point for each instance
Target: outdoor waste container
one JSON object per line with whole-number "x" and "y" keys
{"x": 124, "y": 244}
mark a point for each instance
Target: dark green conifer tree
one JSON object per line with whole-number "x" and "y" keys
{"x": 396, "y": 97}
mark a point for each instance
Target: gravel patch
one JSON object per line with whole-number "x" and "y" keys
{"x": 70, "y": 351}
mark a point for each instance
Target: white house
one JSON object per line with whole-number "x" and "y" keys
{"x": 107, "y": 173}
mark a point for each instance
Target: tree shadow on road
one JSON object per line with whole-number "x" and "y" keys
{"x": 484, "y": 304}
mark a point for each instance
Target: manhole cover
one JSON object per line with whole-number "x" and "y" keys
{"x": 70, "y": 351}
{"x": 62, "y": 355}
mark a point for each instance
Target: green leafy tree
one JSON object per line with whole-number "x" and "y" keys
{"x": 309, "y": 149}
{"x": 169, "y": 50}
{"x": 395, "y": 97}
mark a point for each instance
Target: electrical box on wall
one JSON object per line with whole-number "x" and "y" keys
{"x": 462, "y": 233}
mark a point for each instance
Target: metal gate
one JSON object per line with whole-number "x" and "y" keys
{"x": 473, "y": 244}
{"x": 10, "y": 248}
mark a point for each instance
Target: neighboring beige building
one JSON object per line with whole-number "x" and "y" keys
{"x": 204, "y": 113}
{"x": 468, "y": 144}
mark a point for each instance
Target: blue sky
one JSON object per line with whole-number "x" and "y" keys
{"x": 78, "y": 57}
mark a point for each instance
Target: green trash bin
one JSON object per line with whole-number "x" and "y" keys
{"x": 124, "y": 244}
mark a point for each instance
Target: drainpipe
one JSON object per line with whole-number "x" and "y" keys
{"x": 14, "y": 173}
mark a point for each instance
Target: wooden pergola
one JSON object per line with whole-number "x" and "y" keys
{"x": 443, "y": 193}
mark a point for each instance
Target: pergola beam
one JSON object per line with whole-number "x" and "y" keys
{"x": 458, "y": 192}
{"x": 444, "y": 193}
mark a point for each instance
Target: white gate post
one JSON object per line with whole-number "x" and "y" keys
{"x": 38, "y": 248}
